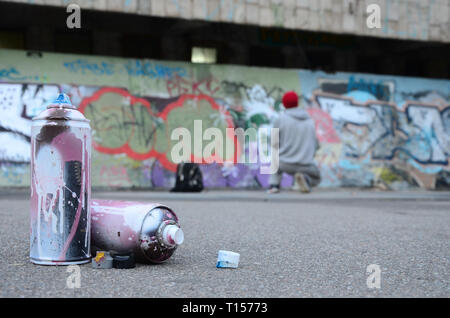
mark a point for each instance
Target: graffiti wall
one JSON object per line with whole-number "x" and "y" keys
{"x": 391, "y": 132}
{"x": 383, "y": 131}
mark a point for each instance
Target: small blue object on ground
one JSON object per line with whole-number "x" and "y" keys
{"x": 227, "y": 259}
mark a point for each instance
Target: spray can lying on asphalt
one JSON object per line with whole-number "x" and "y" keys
{"x": 60, "y": 185}
{"x": 150, "y": 230}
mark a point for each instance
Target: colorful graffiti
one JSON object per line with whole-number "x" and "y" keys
{"x": 125, "y": 124}
{"x": 373, "y": 128}
{"x": 383, "y": 131}
{"x": 417, "y": 130}
{"x": 18, "y": 104}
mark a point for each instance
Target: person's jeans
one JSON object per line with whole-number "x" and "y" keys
{"x": 310, "y": 171}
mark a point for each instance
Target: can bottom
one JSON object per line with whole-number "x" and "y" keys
{"x": 58, "y": 263}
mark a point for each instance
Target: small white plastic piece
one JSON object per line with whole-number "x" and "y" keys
{"x": 173, "y": 235}
{"x": 227, "y": 259}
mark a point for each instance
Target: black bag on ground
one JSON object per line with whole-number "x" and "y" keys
{"x": 189, "y": 178}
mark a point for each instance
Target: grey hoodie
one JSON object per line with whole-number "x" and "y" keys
{"x": 298, "y": 141}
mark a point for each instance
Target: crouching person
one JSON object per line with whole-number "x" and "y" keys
{"x": 297, "y": 147}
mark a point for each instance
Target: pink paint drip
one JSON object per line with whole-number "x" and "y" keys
{"x": 69, "y": 146}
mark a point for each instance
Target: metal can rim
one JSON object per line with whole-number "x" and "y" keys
{"x": 60, "y": 119}
{"x": 141, "y": 249}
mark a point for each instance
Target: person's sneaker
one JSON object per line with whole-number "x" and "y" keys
{"x": 302, "y": 183}
{"x": 295, "y": 186}
{"x": 273, "y": 190}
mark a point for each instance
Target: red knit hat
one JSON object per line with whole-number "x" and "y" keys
{"x": 290, "y": 99}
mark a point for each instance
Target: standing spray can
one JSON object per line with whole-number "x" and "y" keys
{"x": 150, "y": 230}
{"x": 60, "y": 185}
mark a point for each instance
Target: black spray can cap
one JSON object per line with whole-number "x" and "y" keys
{"x": 123, "y": 260}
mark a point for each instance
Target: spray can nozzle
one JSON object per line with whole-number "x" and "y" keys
{"x": 172, "y": 235}
{"x": 62, "y": 101}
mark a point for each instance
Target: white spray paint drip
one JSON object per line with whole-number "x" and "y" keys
{"x": 84, "y": 183}
{"x": 74, "y": 195}
{"x": 48, "y": 183}
{"x": 61, "y": 207}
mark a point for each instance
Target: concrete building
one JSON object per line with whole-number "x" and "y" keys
{"x": 426, "y": 20}
{"x": 380, "y": 96}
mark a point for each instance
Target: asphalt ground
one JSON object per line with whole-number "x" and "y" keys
{"x": 291, "y": 245}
